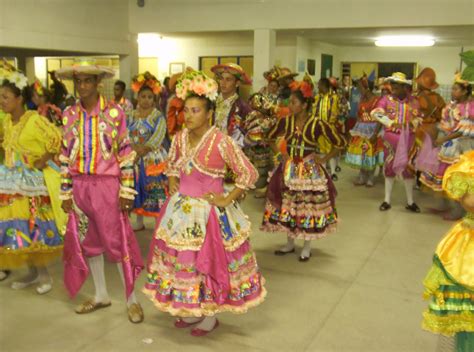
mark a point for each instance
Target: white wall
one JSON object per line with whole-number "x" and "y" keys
{"x": 95, "y": 26}
{"x": 444, "y": 60}
{"x": 189, "y": 49}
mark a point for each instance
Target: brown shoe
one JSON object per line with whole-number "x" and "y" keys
{"x": 135, "y": 313}
{"x": 91, "y": 306}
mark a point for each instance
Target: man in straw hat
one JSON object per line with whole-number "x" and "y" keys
{"x": 231, "y": 110}
{"x": 97, "y": 190}
{"x": 399, "y": 112}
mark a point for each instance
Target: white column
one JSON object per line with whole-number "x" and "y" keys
{"x": 129, "y": 64}
{"x": 264, "y": 42}
{"x": 30, "y": 69}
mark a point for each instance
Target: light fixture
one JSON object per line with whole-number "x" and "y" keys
{"x": 405, "y": 40}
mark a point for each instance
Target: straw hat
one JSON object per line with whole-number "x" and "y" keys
{"x": 399, "y": 77}
{"x": 233, "y": 69}
{"x": 85, "y": 66}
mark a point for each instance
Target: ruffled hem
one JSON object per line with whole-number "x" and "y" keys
{"x": 299, "y": 233}
{"x": 357, "y": 161}
{"x": 37, "y": 255}
{"x": 22, "y": 181}
{"x": 448, "y": 325}
{"x": 431, "y": 181}
{"x": 206, "y": 309}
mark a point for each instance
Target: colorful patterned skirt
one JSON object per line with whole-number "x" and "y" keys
{"x": 449, "y": 285}
{"x": 300, "y": 200}
{"x": 362, "y": 153}
{"x": 29, "y": 222}
{"x": 151, "y": 185}
{"x": 200, "y": 261}
{"x": 449, "y": 154}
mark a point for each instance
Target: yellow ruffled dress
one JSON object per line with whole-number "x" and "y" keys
{"x": 32, "y": 223}
{"x": 449, "y": 285}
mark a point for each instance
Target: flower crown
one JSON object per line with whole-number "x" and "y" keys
{"x": 196, "y": 83}
{"x": 146, "y": 79}
{"x": 303, "y": 86}
{"x": 10, "y": 73}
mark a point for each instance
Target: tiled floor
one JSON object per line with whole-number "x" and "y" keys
{"x": 361, "y": 291}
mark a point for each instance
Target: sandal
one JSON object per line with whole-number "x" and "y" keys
{"x": 91, "y": 306}
{"x": 135, "y": 313}
{"x": 413, "y": 207}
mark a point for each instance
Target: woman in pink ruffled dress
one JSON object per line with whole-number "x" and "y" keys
{"x": 200, "y": 260}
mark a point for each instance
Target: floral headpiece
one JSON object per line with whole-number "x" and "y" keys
{"x": 458, "y": 78}
{"x": 38, "y": 87}
{"x": 196, "y": 82}
{"x": 303, "y": 86}
{"x": 146, "y": 79}
{"x": 10, "y": 73}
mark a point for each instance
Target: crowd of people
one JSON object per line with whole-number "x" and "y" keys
{"x": 186, "y": 152}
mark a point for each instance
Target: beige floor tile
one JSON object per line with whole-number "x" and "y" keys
{"x": 372, "y": 319}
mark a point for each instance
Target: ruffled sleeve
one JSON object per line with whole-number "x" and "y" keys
{"x": 236, "y": 160}
{"x": 173, "y": 156}
{"x": 317, "y": 127}
{"x": 47, "y": 134}
{"x": 465, "y": 125}
{"x": 280, "y": 128}
{"x": 458, "y": 179}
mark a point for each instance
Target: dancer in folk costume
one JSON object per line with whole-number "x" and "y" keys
{"x": 147, "y": 129}
{"x": 200, "y": 262}
{"x": 449, "y": 285}
{"x": 399, "y": 112}
{"x": 301, "y": 195}
{"x": 97, "y": 190}
{"x": 365, "y": 151}
{"x": 32, "y": 223}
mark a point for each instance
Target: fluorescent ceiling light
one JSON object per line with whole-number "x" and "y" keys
{"x": 405, "y": 40}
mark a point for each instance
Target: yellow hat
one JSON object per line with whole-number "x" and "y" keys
{"x": 399, "y": 77}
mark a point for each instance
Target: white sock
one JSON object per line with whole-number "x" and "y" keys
{"x": 96, "y": 265}
{"x": 138, "y": 223}
{"x": 370, "y": 176}
{"x": 43, "y": 275}
{"x": 191, "y": 320}
{"x": 45, "y": 281}
{"x": 332, "y": 165}
{"x": 362, "y": 176}
{"x": 132, "y": 298}
{"x": 207, "y": 324}
{"x": 31, "y": 277}
{"x": 27, "y": 280}
{"x": 289, "y": 246}
{"x": 306, "y": 251}
{"x": 409, "y": 184}
{"x": 389, "y": 181}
